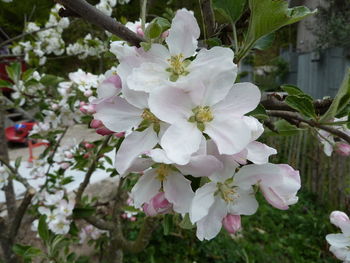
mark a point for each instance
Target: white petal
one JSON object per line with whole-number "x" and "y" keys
{"x": 170, "y": 104}
{"x": 201, "y": 165}
{"x": 242, "y": 98}
{"x": 202, "y": 201}
{"x": 210, "y": 226}
{"x": 148, "y": 77}
{"x": 183, "y": 34}
{"x": 259, "y": 153}
{"x": 231, "y": 135}
{"x": 118, "y": 115}
{"x": 134, "y": 145}
{"x": 145, "y": 188}
{"x": 159, "y": 156}
{"x": 256, "y": 128}
{"x": 137, "y": 98}
{"x": 180, "y": 141}
{"x": 178, "y": 191}
{"x": 245, "y": 203}
{"x": 338, "y": 240}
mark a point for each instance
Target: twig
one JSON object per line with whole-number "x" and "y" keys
{"x": 96, "y": 17}
{"x": 296, "y": 119}
{"x": 14, "y": 171}
{"x": 99, "y": 223}
{"x": 208, "y": 17}
{"x": 90, "y": 171}
{"x": 4, "y": 43}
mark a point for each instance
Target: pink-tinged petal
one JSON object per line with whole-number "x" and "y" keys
{"x": 118, "y": 115}
{"x": 202, "y": 201}
{"x": 343, "y": 149}
{"x": 145, "y": 189}
{"x": 159, "y": 156}
{"x": 132, "y": 147}
{"x": 183, "y": 34}
{"x": 178, "y": 191}
{"x": 341, "y": 220}
{"x": 338, "y": 240}
{"x": 158, "y": 205}
{"x": 158, "y": 53}
{"x": 256, "y": 128}
{"x": 259, "y": 153}
{"x": 106, "y": 90}
{"x": 279, "y": 183}
{"x": 148, "y": 77}
{"x": 232, "y": 223}
{"x": 209, "y": 226}
{"x": 244, "y": 203}
{"x": 231, "y": 135}
{"x": 122, "y": 50}
{"x": 171, "y": 105}
{"x": 180, "y": 141}
{"x": 201, "y": 165}
{"x": 341, "y": 253}
{"x": 241, "y": 99}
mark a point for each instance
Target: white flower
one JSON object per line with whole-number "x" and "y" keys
{"x": 84, "y": 80}
{"x": 53, "y": 199}
{"x": 31, "y": 27}
{"x": 204, "y": 108}
{"x": 59, "y": 226}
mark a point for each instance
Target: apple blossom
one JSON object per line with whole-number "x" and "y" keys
{"x": 232, "y": 223}
{"x": 157, "y": 205}
{"x": 342, "y": 149}
{"x": 339, "y": 243}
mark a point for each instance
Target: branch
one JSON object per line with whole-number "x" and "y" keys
{"x": 15, "y": 173}
{"x": 208, "y": 17}
{"x": 16, "y": 223}
{"x": 272, "y": 102}
{"x": 96, "y": 17}
{"x": 99, "y": 223}
{"x": 296, "y": 119}
{"x": 90, "y": 171}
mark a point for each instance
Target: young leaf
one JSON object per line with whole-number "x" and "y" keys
{"x": 43, "y": 229}
{"x": 341, "y": 100}
{"x": 14, "y": 71}
{"x": 186, "y": 223}
{"x": 4, "y": 83}
{"x": 231, "y": 10}
{"x": 265, "y": 42}
{"x": 303, "y": 104}
{"x": 284, "y": 128}
{"x": 269, "y": 15}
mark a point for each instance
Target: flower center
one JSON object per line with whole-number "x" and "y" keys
{"x": 162, "y": 172}
{"x": 147, "y": 115}
{"x": 177, "y": 67}
{"x": 227, "y": 192}
{"x": 202, "y": 114}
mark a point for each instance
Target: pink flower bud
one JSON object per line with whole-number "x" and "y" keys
{"x": 103, "y": 131}
{"x": 55, "y": 106}
{"x": 165, "y": 34}
{"x": 132, "y": 219}
{"x": 158, "y": 205}
{"x": 64, "y": 165}
{"x": 232, "y": 223}
{"x": 89, "y": 145}
{"x": 342, "y": 149}
{"x": 96, "y": 124}
{"x": 91, "y": 109}
{"x": 140, "y": 31}
{"x": 88, "y": 93}
{"x": 86, "y": 155}
{"x": 125, "y": 216}
{"x": 82, "y": 103}
{"x": 68, "y": 155}
{"x": 119, "y": 134}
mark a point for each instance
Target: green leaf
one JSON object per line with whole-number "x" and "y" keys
{"x": 267, "y": 16}
{"x": 146, "y": 46}
{"x": 83, "y": 212}
{"x": 341, "y": 100}
{"x": 303, "y": 104}
{"x": 265, "y": 42}
{"x": 284, "y": 128}
{"x": 213, "y": 42}
{"x": 18, "y": 162}
{"x": 186, "y": 223}
{"x": 259, "y": 113}
{"x": 231, "y": 10}
{"x": 28, "y": 74}
{"x": 43, "y": 229}
{"x": 153, "y": 31}
{"x": 50, "y": 80}
{"x": 27, "y": 252}
{"x": 4, "y": 83}
{"x": 14, "y": 71}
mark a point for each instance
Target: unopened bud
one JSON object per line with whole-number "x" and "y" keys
{"x": 342, "y": 149}
{"x": 232, "y": 223}
{"x": 158, "y": 205}
{"x": 88, "y": 93}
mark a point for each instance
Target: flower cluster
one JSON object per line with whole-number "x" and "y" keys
{"x": 339, "y": 243}
{"x": 185, "y": 121}
{"x": 88, "y": 46}
{"x": 57, "y": 211}
{"x": 90, "y": 232}
{"x": 330, "y": 144}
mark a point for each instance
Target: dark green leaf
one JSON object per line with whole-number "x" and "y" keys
{"x": 27, "y": 74}
{"x": 284, "y": 128}
{"x": 303, "y": 104}
{"x": 43, "y": 229}
{"x": 83, "y": 212}
{"x": 4, "y": 83}
{"x": 18, "y": 162}
{"x": 14, "y": 71}
{"x": 259, "y": 113}
{"x": 265, "y": 42}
